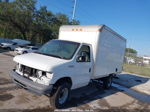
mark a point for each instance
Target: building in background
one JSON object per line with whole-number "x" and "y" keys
{"x": 146, "y": 60}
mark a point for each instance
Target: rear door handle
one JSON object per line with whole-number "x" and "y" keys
{"x": 89, "y": 69}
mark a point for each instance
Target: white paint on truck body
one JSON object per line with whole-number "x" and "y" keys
{"x": 106, "y": 56}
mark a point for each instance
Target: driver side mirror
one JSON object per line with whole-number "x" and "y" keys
{"x": 81, "y": 59}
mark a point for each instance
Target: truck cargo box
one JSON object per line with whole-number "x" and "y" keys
{"x": 108, "y": 46}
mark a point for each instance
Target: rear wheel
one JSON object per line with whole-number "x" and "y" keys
{"x": 60, "y": 96}
{"x": 107, "y": 82}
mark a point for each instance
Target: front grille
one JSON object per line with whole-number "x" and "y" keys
{"x": 27, "y": 70}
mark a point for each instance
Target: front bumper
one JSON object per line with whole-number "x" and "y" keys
{"x": 29, "y": 85}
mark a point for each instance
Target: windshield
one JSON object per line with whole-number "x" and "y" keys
{"x": 59, "y": 48}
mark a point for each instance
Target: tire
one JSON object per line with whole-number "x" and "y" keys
{"x": 60, "y": 96}
{"x": 107, "y": 82}
{"x": 8, "y": 48}
{"x": 98, "y": 84}
{"x": 25, "y": 52}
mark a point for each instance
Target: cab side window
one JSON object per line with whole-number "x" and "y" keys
{"x": 84, "y": 54}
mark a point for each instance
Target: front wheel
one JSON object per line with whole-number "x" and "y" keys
{"x": 60, "y": 97}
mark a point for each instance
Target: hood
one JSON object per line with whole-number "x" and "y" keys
{"x": 39, "y": 61}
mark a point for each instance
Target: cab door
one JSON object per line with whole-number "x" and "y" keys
{"x": 83, "y": 66}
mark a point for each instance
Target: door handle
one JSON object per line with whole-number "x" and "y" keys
{"x": 89, "y": 69}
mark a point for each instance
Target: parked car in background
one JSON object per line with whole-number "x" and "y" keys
{"x": 130, "y": 60}
{"x": 27, "y": 49}
{"x": 9, "y": 46}
{"x": 14, "y": 43}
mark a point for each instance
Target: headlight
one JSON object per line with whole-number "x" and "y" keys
{"x": 49, "y": 75}
{"x": 44, "y": 77}
{"x": 40, "y": 74}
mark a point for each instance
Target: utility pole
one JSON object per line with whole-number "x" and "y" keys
{"x": 74, "y": 9}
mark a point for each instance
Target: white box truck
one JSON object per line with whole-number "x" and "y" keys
{"x": 81, "y": 54}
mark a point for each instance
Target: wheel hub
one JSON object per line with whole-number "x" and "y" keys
{"x": 63, "y": 96}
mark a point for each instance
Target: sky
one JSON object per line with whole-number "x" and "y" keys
{"x": 129, "y": 18}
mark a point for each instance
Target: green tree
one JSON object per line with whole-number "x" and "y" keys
{"x": 131, "y": 52}
{"x": 21, "y": 18}
{"x": 18, "y": 15}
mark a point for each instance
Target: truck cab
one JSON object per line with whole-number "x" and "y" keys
{"x": 56, "y": 61}
{"x": 60, "y": 59}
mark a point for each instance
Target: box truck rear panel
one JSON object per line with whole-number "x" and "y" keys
{"x": 110, "y": 53}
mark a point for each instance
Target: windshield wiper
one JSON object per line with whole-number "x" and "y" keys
{"x": 55, "y": 56}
